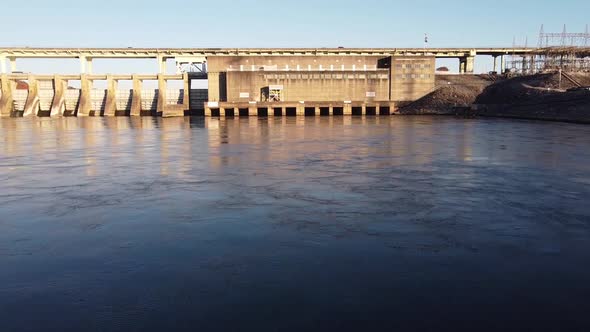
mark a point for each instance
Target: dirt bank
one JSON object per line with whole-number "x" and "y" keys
{"x": 542, "y": 96}
{"x": 451, "y": 91}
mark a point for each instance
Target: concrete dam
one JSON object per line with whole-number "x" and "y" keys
{"x": 240, "y": 82}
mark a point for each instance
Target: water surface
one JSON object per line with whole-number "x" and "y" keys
{"x": 293, "y": 224}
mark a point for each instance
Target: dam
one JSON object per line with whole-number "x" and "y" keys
{"x": 240, "y": 82}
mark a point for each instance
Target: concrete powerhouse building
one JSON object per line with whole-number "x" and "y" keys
{"x": 273, "y": 82}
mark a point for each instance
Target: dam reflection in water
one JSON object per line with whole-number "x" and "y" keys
{"x": 296, "y": 224}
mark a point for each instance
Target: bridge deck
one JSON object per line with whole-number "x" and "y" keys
{"x": 27, "y": 52}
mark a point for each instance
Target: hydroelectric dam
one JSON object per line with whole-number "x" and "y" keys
{"x": 240, "y": 82}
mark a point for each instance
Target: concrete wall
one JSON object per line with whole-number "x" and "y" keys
{"x": 412, "y": 77}
{"x": 310, "y": 85}
{"x": 299, "y": 87}
{"x": 216, "y": 64}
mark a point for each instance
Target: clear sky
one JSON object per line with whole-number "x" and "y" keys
{"x": 301, "y": 23}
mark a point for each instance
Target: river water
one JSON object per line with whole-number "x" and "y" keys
{"x": 293, "y": 224}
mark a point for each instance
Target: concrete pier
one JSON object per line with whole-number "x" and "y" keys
{"x": 6, "y": 99}
{"x": 271, "y": 109}
{"x": 32, "y": 103}
{"x": 58, "y": 105}
{"x": 87, "y": 100}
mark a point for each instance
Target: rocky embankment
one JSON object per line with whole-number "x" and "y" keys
{"x": 451, "y": 92}
{"x": 537, "y": 97}
{"x": 540, "y": 96}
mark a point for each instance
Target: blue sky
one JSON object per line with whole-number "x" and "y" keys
{"x": 302, "y": 23}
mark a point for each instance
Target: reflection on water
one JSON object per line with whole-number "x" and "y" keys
{"x": 315, "y": 223}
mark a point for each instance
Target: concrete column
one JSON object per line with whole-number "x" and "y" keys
{"x": 207, "y": 111}
{"x": 89, "y": 65}
{"x": 2, "y": 64}
{"x": 470, "y": 64}
{"x": 161, "y": 64}
{"x": 253, "y": 110}
{"x": 186, "y": 92}
{"x": 213, "y": 79}
{"x": 32, "y": 103}
{"x": 364, "y": 109}
{"x": 222, "y": 112}
{"x": 331, "y": 110}
{"x": 300, "y": 111}
{"x": 136, "y": 97}
{"x": 84, "y": 103}
{"x": 110, "y": 106}
{"x": 392, "y": 108}
{"x": 347, "y": 110}
{"x": 6, "y": 100}
{"x": 378, "y": 110}
{"x": 502, "y": 64}
{"x": 12, "y": 64}
{"x": 161, "y": 94}
{"x": 495, "y": 63}
{"x": 58, "y": 106}
{"x": 85, "y": 65}
{"x": 462, "y": 65}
